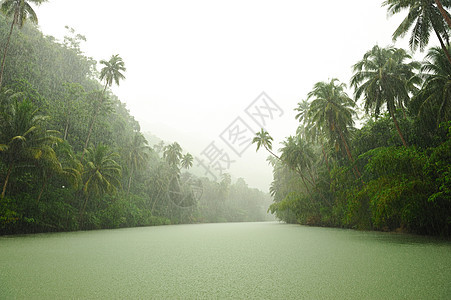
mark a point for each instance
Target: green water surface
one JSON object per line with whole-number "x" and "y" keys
{"x": 224, "y": 261}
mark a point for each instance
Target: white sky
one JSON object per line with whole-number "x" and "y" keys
{"x": 194, "y": 66}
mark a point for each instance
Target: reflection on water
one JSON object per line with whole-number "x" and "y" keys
{"x": 235, "y": 261}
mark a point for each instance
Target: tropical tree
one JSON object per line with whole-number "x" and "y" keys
{"x": 111, "y": 72}
{"x": 332, "y": 111}
{"x": 20, "y": 11}
{"x": 309, "y": 130}
{"x": 60, "y": 162}
{"x": 299, "y": 157}
{"x": 427, "y": 15}
{"x": 101, "y": 173}
{"x": 187, "y": 161}
{"x": 436, "y": 90}
{"x": 172, "y": 154}
{"x": 384, "y": 76}
{"x": 23, "y": 137}
{"x": 137, "y": 154}
{"x": 262, "y": 138}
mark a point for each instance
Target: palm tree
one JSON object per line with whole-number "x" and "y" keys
{"x": 298, "y": 156}
{"x": 308, "y": 129}
{"x": 187, "y": 161}
{"x": 444, "y": 13}
{"x": 383, "y": 77}
{"x": 62, "y": 163}
{"x": 436, "y": 90}
{"x": 172, "y": 154}
{"x": 426, "y": 16}
{"x": 137, "y": 155}
{"x": 111, "y": 72}
{"x": 332, "y": 111}
{"x": 20, "y": 11}
{"x": 101, "y": 173}
{"x": 23, "y": 137}
{"x": 262, "y": 138}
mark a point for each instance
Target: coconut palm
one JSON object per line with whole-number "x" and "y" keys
{"x": 20, "y": 11}
{"x": 23, "y": 137}
{"x": 137, "y": 154}
{"x": 309, "y": 130}
{"x": 384, "y": 76}
{"x": 101, "y": 173}
{"x": 61, "y": 163}
{"x": 187, "y": 161}
{"x": 172, "y": 154}
{"x": 332, "y": 111}
{"x": 111, "y": 72}
{"x": 436, "y": 90}
{"x": 298, "y": 156}
{"x": 262, "y": 138}
{"x": 425, "y": 16}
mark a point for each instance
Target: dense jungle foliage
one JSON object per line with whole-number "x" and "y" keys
{"x": 72, "y": 157}
{"x": 393, "y": 173}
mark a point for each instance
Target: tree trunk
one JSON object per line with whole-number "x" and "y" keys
{"x": 6, "y": 48}
{"x": 92, "y": 122}
{"x": 348, "y": 152}
{"x": 6, "y": 180}
{"x": 42, "y": 189}
{"x": 82, "y": 210}
{"x": 397, "y": 128}
{"x": 443, "y": 12}
{"x": 442, "y": 45}
{"x": 325, "y": 157}
{"x": 271, "y": 152}
{"x": 129, "y": 181}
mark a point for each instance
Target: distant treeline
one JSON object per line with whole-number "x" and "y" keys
{"x": 72, "y": 157}
{"x": 394, "y": 173}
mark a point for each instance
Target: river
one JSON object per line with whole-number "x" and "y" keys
{"x": 225, "y": 261}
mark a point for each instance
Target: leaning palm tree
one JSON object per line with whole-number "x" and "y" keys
{"x": 384, "y": 76}
{"x": 20, "y": 11}
{"x": 425, "y": 16}
{"x": 101, "y": 173}
{"x": 436, "y": 90}
{"x": 262, "y": 138}
{"x": 332, "y": 111}
{"x": 111, "y": 72}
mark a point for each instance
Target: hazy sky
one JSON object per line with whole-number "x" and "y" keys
{"x": 193, "y": 67}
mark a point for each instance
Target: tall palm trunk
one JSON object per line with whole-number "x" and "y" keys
{"x": 325, "y": 157}
{"x": 7, "y": 46}
{"x": 442, "y": 44}
{"x": 271, "y": 152}
{"x": 94, "y": 117}
{"x": 130, "y": 181}
{"x": 443, "y": 12}
{"x": 10, "y": 168}
{"x": 42, "y": 188}
{"x": 348, "y": 152}
{"x": 398, "y": 128}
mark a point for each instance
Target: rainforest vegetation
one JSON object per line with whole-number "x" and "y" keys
{"x": 73, "y": 158}
{"x": 393, "y": 171}
{"x": 373, "y": 152}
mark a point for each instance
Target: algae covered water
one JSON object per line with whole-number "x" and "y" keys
{"x": 225, "y": 261}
